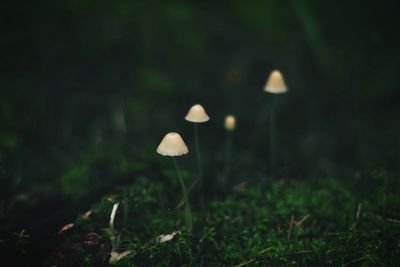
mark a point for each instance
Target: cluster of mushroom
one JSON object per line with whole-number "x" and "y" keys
{"x": 172, "y": 144}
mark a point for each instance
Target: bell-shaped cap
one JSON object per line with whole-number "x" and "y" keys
{"x": 276, "y": 83}
{"x": 230, "y": 123}
{"x": 197, "y": 114}
{"x": 172, "y": 145}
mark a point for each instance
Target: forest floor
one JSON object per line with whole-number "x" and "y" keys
{"x": 352, "y": 221}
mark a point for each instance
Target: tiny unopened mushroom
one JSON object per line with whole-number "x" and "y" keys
{"x": 197, "y": 114}
{"x": 172, "y": 145}
{"x": 230, "y": 123}
{"x": 275, "y": 83}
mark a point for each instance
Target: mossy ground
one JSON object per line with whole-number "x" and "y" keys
{"x": 321, "y": 221}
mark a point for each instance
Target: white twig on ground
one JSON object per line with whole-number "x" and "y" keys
{"x": 115, "y": 255}
{"x": 168, "y": 237}
{"x": 112, "y": 216}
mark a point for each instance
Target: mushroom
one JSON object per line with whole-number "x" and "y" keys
{"x": 172, "y": 145}
{"x": 197, "y": 115}
{"x": 275, "y": 85}
{"x": 230, "y": 124}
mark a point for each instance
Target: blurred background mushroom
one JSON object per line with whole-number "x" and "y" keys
{"x": 230, "y": 125}
{"x": 275, "y": 85}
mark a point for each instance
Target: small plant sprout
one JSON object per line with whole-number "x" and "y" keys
{"x": 115, "y": 239}
{"x": 172, "y": 145}
{"x": 275, "y": 85}
{"x": 113, "y": 235}
{"x": 230, "y": 124}
{"x": 197, "y": 115}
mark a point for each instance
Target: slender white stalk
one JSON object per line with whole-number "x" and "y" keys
{"x": 115, "y": 256}
{"x": 113, "y": 236}
{"x": 112, "y": 217}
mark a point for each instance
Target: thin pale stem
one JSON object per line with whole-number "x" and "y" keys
{"x": 272, "y": 134}
{"x": 199, "y": 164}
{"x": 188, "y": 212}
{"x": 228, "y": 156}
{"x": 113, "y": 235}
{"x": 229, "y": 137}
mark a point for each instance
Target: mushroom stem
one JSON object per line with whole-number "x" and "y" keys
{"x": 229, "y": 138}
{"x": 188, "y": 213}
{"x": 199, "y": 164}
{"x": 272, "y": 133}
{"x": 228, "y": 155}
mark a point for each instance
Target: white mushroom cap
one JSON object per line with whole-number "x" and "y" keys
{"x": 172, "y": 145}
{"x": 230, "y": 122}
{"x": 276, "y": 83}
{"x": 197, "y": 114}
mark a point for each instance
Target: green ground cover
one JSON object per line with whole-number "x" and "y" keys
{"x": 318, "y": 222}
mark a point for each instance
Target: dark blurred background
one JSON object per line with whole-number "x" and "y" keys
{"x": 89, "y": 88}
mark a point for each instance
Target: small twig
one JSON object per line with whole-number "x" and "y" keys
{"x": 300, "y": 252}
{"x": 244, "y": 263}
{"x": 358, "y": 214}
{"x": 302, "y": 220}
{"x": 354, "y": 261}
{"x": 250, "y": 261}
{"x": 393, "y": 220}
{"x": 358, "y": 211}
{"x": 66, "y": 227}
{"x": 264, "y": 250}
{"x": 290, "y": 227}
{"x": 180, "y": 204}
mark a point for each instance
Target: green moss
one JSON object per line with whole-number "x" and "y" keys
{"x": 250, "y": 227}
